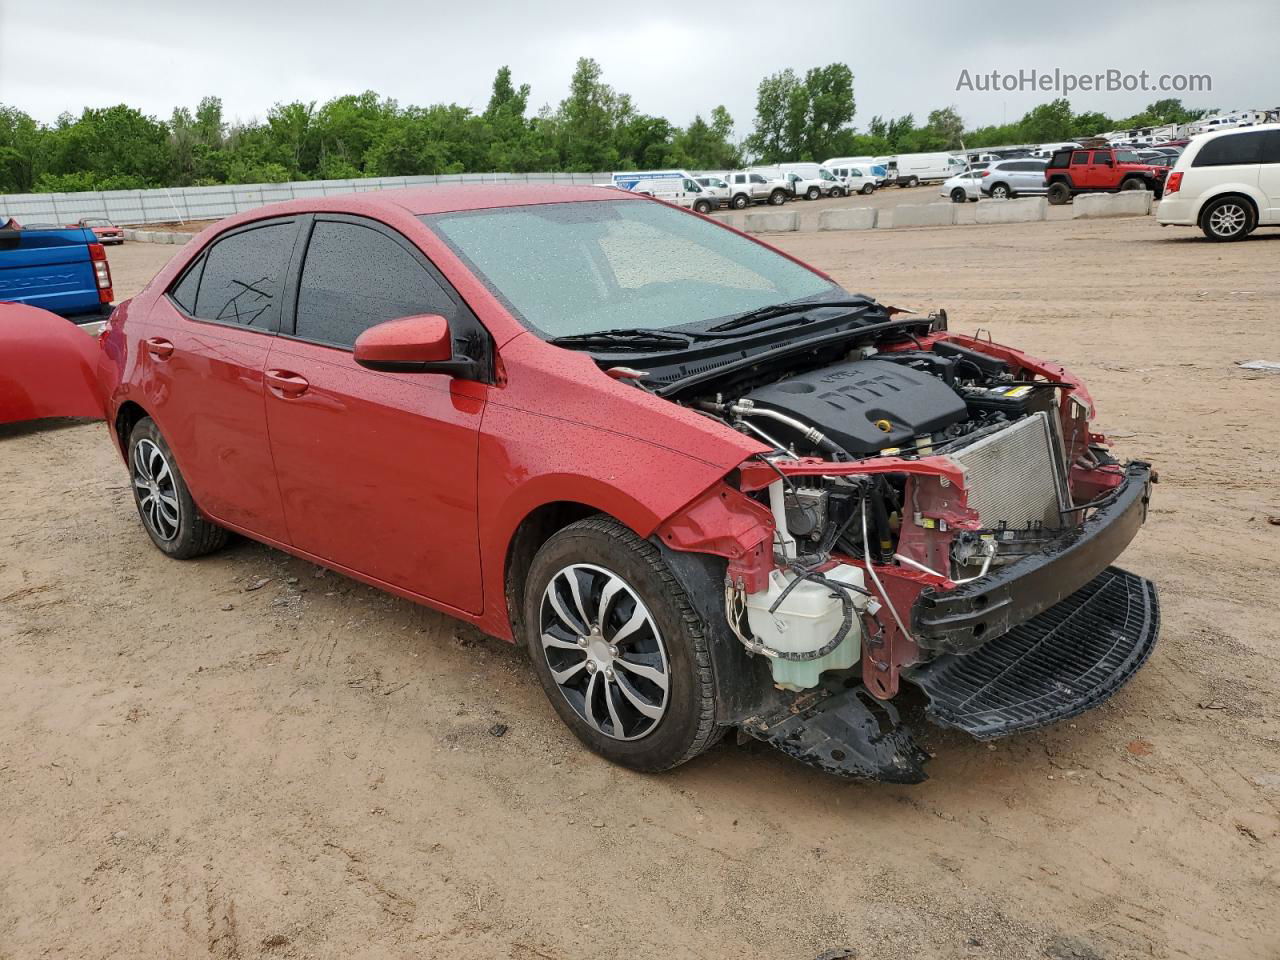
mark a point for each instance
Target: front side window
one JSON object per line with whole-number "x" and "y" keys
{"x": 242, "y": 276}
{"x": 356, "y": 277}
{"x": 587, "y": 266}
{"x": 1232, "y": 149}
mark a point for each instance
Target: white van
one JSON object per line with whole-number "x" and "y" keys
{"x": 917, "y": 168}
{"x": 858, "y": 174}
{"x": 673, "y": 186}
{"x": 1227, "y": 183}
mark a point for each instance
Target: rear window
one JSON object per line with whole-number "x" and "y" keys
{"x": 1232, "y": 149}
{"x": 239, "y": 279}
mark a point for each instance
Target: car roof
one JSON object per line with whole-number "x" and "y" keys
{"x": 419, "y": 201}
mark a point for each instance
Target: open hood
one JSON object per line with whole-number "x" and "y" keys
{"x": 48, "y": 367}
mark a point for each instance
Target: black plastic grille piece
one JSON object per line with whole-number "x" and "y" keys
{"x": 1062, "y": 662}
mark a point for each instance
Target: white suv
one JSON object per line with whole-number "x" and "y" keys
{"x": 1226, "y": 183}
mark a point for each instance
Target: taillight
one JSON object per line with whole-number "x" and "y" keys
{"x": 983, "y": 173}
{"x": 101, "y": 271}
{"x": 1173, "y": 183}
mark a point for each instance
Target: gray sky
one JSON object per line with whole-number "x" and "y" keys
{"x": 674, "y": 59}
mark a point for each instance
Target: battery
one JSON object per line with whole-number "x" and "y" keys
{"x": 1013, "y": 400}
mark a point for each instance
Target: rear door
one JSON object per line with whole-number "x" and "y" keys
{"x": 1233, "y": 159}
{"x": 201, "y": 352}
{"x": 1102, "y": 170}
{"x": 1269, "y": 176}
{"x": 377, "y": 470}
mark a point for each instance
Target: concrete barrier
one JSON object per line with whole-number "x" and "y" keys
{"x": 849, "y": 218}
{"x": 143, "y": 236}
{"x": 923, "y": 215}
{"x": 1023, "y": 210}
{"x": 1126, "y": 203}
{"x": 780, "y": 221}
{"x": 130, "y": 234}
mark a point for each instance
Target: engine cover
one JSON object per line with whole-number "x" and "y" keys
{"x": 847, "y": 400}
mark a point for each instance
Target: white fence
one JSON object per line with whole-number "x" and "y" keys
{"x": 213, "y": 203}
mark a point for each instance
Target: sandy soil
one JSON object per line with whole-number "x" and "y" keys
{"x": 191, "y": 768}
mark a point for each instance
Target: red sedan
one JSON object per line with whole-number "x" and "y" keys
{"x": 106, "y": 231}
{"x": 706, "y": 486}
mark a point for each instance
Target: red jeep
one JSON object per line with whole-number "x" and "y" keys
{"x": 1099, "y": 170}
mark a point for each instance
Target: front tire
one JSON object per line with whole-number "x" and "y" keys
{"x": 958, "y": 195}
{"x": 618, "y": 648}
{"x": 1227, "y": 219}
{"x": 169, "y": 514}
{"x": 739, "y": 202}
{"x": 703, "y": 207}
{"x": 1001, "y": 191}
{"x": 837, "y": 192}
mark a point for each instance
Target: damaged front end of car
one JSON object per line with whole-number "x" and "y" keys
{"x": 934, "y": 509}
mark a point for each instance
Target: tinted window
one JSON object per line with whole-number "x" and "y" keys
{"x": 242, "y": 277}
{"x": 1236, "y": 148}
{"x": 355, "y": 277}
{"x": 756, "y": 178}
{"x": 1080, "y": 156}
{"x": 1103, "y": 157}
{"x": 1271, "y": 147}
{"x": 184, "y": 292}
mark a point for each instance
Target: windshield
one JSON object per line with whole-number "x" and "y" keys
{"x": 592, "y": 265}
{"x": 1127, "y": 156}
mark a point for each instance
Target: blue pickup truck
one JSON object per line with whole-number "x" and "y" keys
{"x": 63, "y": 270}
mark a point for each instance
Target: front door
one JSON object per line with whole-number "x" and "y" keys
{"x": 377, "y": 470}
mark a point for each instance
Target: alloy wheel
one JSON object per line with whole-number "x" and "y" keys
{"x": 604, "y": 651}
{"x": 155, "y": 489}
{"x": 1228, "y": 219}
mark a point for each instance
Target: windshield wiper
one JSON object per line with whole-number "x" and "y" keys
{"x": 782, "y": 310}
{"x": 625, "y": 338}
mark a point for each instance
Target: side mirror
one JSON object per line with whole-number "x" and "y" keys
{"x": 417, "y": 344}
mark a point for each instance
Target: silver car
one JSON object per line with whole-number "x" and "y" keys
{"x": 1013, "y": 178}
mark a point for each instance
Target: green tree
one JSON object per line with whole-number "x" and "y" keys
{"x": 830, "y": 109}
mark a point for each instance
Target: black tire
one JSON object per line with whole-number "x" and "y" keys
{"x": 1001, "y": 191}
{"x": 777, "y": 198}
{"x": 156, "y": 481}
{"x": 1059, "y": 193}
{"x": 813, "y": 193}
{"x": 837, "y": 192}
{"x": 1228, "y": 218}
{"x": 959, "y": 195}
{"x": 702, "y": 206}
{"x": 1134, "y": 183}
{"x": 867, "y": 189}
{"x": 687, "y": 724}
{"x": 913, "y": 182}
{"x": 740, "y": 201}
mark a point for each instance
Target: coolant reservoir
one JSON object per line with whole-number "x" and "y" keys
{"x": 806, "y": 621}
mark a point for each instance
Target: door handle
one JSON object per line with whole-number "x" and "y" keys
{"x": 160, "y": 348}
{"x": 285, "y": 383}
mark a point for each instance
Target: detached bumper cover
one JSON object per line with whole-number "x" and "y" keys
{"x": 964, "y": 619}
{"x": 1067, "y": 660}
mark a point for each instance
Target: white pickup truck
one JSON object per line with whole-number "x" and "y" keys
{"x": 747, "y": 187}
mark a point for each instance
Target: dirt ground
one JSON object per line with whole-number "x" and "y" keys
{"x": 190, "y": 767}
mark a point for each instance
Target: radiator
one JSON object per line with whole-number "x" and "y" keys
{"x": 1014, "y": 476}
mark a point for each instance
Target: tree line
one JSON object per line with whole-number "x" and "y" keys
{"x": 594, "y": 128}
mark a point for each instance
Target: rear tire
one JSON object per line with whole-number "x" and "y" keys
{"x": 1059, "y": 193}
{"x": 1133, "y": 183}
{"x": 168, "y": 513}
{"x": 958, "y": 195}
{"x": 598, "y": 688}
{"x": 1227, "y": 219}
{"x": 777, "y": 198}
{"x": 867, "y": 189}
{"x": 813, "y": 193}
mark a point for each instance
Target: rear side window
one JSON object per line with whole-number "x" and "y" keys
{"x": 242, "y": 276}
{"x": 356, "y": 277}
{"x": 1080, "y": 156}
{"x": 184, "y": 293}
{"x": 1233, "y": 149}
